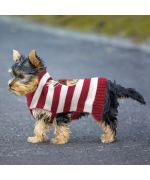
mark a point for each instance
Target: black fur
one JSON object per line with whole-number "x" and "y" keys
{"x": 128, "y": 93}
{"x": 110, "y": 108}
{"x": 64, "y": 118}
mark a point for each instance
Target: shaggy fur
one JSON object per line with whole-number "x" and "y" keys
{"x": 25, "y": 72}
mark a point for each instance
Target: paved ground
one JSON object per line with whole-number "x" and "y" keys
{"x": 70, "y": 55}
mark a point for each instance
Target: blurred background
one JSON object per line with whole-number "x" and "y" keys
{"x": 117, "y": 47}
{"x": 135, "y": 27}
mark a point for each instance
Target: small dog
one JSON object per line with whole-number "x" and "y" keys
{"x": 57, "y": 103}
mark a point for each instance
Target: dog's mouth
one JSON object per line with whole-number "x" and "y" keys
{"x": 14, "y": 91}
{"x": 11, "y": 89}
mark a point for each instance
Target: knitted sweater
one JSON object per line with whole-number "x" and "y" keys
{"x": 87, "y": 95}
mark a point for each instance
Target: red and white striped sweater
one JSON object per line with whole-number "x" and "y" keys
{"x": 87, "y": 95}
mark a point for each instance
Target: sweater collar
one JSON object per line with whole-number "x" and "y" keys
{"x": 41, "y": 74}
{"x": 30, "y": 95}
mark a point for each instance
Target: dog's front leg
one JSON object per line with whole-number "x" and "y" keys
{"x": 42, "y": 126}
{"x": 62, "y": 129}
{"x": 62, "y": 134}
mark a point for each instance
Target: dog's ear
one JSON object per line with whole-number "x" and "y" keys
{"x": 16, "y": 55}
{"x": 34, "y": 59}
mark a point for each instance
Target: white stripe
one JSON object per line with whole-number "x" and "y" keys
{"x": 38, "y": 91}
{"x": 49, "y": 98}
{"x": 62, "y": 99}
{"x": 91, "y": 95}
{"x": 76, "y": 95}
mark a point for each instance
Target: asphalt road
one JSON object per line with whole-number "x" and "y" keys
{"x": 71, "y": 55}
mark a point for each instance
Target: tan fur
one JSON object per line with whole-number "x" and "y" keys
{"x": 108, "y": 135}
{"x": 62, "y": 134}
{"x": 63, "y": 82}
{"x": 23, "y": 89}
{"x": 34, "y": 59}
{"x": 68, "y": 82}
{"x": 41, "y": 130}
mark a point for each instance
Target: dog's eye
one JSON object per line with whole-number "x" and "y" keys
{"x": 20, "y": 76}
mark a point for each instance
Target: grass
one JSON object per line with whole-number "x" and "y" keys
{"x": 135, "y": 27}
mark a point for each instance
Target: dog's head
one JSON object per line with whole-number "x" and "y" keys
{"x": 24, "y": 73}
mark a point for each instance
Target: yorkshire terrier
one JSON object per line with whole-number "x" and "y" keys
{"x": 58, "y": 102}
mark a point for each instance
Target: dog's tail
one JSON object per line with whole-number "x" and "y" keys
{"x": 123, "y": 92}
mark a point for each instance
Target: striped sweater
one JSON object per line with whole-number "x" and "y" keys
{"x": 87, "y": 95}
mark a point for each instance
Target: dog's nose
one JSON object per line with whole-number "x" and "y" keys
{"x": 9, "y": 83}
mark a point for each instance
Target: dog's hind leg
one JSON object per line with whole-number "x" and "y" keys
{"x": 109, "y": 134}
{"x": 109, "y": 120}
{"x": 42, "y": 126}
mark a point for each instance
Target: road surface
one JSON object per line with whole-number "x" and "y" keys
{"x": 72, "y": 55}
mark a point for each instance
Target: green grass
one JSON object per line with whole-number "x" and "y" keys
{"x": 135, "y": 27}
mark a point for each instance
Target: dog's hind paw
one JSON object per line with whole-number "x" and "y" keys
{"x": 105, "y": 139}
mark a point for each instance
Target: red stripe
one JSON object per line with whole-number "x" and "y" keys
{"x": 68, "y": 100}
{"x": 56, "y": 97}
{"x": 75, "y": 115}
{"x": 29, "y": 98}
{"x": 41, "y": 74}
{"x": 83, "y": 95}
{"x": 42, "y": 99}
{"x": 99, "y": 101}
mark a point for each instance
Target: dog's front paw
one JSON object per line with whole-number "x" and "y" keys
{"x": 57, "y": 141}
{"x": 34, "y": 140}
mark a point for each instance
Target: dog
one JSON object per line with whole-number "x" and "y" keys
{"x": 58, "y": 102}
